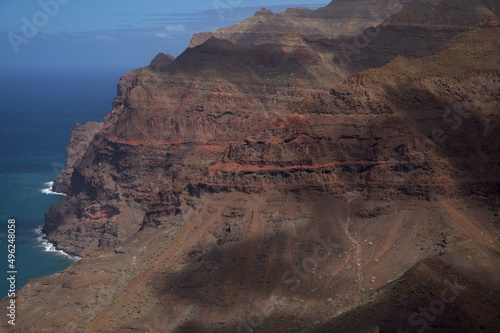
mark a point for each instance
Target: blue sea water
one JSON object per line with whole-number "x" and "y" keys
{"x": 38, "y": 109}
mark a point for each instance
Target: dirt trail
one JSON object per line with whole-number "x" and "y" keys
{"x": 357, "y": 246}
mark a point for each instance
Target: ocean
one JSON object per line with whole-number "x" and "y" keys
{"x": 38, "y": 110}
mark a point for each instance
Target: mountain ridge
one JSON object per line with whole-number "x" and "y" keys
{"x": 342, "y": 19}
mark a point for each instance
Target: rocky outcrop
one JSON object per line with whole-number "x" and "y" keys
{"x": 161, "y": 60}
{"x": 80, "y": 139}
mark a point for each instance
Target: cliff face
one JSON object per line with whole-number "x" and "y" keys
{"x": 210, "y": 94}
{"x": 81, "y": 137}
{"x": 267, "y": 188}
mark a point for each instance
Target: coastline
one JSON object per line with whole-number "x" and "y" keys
{"x": 41, "y": 237}
{"x": 48, "y": 189}
{"x": 49, "y": 247}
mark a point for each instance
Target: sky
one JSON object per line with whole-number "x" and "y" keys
{"x": 68, "y": 34}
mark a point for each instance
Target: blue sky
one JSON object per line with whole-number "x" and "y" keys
{"x": 120, "y": 33}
